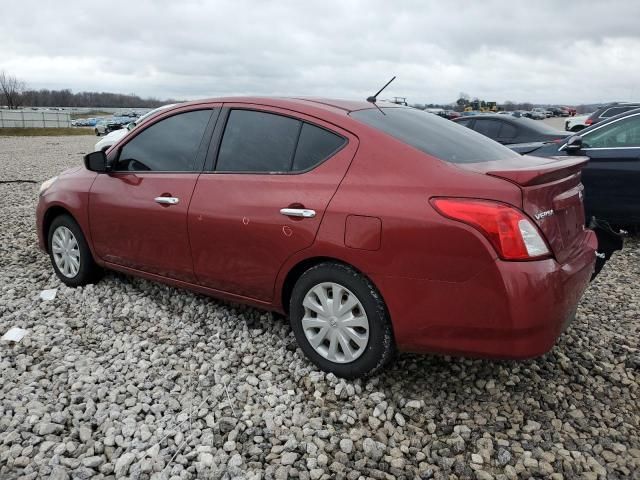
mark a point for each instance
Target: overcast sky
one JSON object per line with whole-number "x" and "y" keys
{"x": 542, "y": 52}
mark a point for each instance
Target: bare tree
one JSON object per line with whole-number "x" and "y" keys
{"x": 11, "y": 88}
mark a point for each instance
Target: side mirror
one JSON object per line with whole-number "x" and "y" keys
{"x": 574, "y": 144}
{"x": 96, "y": 161}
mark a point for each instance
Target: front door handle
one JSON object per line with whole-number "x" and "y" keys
{"x": 167, "y": 200}
{"x": 298, "y": 212}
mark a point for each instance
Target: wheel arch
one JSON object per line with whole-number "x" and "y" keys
{"x": 53, "y": 212}
{"x": 296, "y": 271}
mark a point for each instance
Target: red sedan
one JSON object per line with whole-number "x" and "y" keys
{"x": 374, "y": 227}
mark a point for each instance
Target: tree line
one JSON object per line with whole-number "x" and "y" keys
{"x": 14, "y": 94}
{"x": 66, "y": 98}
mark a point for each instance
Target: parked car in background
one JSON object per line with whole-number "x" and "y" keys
{"x": 609, "y": 111}
{"x": 558, "y": 112}
{"x": 521, "y": 134}
{"x": 612, "y": 176}
{"x": 114, "y": 137}
{"x": 577, "y": 123}
{"x": 297, "y": 205}
{"x": 546, "y": 112}
{"x": 449, "y": 114}
{"x": 538, "y": 114}
{"x": 101, "y": 127}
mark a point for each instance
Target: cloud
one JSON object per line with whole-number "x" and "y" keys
{"x": 569, "y": 52}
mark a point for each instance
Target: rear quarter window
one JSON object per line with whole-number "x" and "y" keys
{"x": 434, "y": 135}
{"x": 314, "y": 146}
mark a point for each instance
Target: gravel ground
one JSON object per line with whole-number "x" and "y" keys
{"x": 128, "y": 378}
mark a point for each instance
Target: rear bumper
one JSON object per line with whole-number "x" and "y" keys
{"x": 510, "y": 310}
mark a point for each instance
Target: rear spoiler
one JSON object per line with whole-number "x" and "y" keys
{"x": 557, "y": 168}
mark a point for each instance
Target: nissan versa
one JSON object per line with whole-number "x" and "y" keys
{"x": 375, "y": 227}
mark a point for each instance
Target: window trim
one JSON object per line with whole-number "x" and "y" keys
{"x": 598, "y": 128}
{"x": 212, "y": 156}
{"x": 200, "y": 156}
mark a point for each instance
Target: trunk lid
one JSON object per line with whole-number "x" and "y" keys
{"x": 552, "y": 196}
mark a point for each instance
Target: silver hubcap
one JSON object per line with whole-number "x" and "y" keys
{"x": 335, "y": 322}
{"x": 66, "y": 252}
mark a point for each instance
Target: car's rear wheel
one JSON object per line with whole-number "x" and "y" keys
{"x": 97, "y": 132}
{"x": 70, "y": 255}
{"x": 340, "y": 321}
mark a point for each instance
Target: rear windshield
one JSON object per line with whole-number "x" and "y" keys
{"x": 434, "y": 135}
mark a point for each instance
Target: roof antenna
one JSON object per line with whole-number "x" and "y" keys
{"x": 374, "y": 98}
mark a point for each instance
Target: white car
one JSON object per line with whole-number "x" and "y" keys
{"x": 539, "y": 113}
{"x": 115, "y": 136}
{"x": 101, "y": 127}
{"x": 577, "y": 123}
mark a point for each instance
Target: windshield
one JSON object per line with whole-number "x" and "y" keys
{"x": 434, "y": 135}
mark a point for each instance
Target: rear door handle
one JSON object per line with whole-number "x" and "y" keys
{"x": 298, "y": 212}
{"x": 167, "y": 200}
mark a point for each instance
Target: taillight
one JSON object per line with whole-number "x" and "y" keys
{"x": 588, "y": 121}
{"x": 510, "y": 231}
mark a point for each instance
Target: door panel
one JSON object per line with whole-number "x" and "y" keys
{"x": 612, "y": 185}
{"x": 138, "y": 212}
{"x": 239, "y": 238}
{"x": 130, "y": 228}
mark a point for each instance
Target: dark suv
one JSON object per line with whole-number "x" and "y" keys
{"x": 608, "y": 111}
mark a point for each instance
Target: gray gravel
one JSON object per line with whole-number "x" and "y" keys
{"x": 128, "y": 378}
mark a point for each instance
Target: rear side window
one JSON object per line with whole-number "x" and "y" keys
{"x": 264, "y": 142}
{"x": 508, "y": 131}
{"x": 257, "y": 142}
{"x": 487, "y": 127}
{"x": 434, "y": 135}
{"x": 169, "y": 145}
{"x": 315, "y": 145}
{"x": 613, "y": 111}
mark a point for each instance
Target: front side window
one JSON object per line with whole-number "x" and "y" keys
{"x": 169, "y": 145}
{"x": 623, "y": 133}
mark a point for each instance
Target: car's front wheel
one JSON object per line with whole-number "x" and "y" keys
{"x": 70, "y": 255}
{"x": 340, "y": 321}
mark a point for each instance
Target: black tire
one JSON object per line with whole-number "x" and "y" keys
{"x": 380, "y": 347}
{"x": 97, "y": 132}
{"x": 577, "y": 128}
{"x": 88, "y": 272}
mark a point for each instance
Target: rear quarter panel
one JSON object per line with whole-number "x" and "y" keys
{"x": 393, "y": 182}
